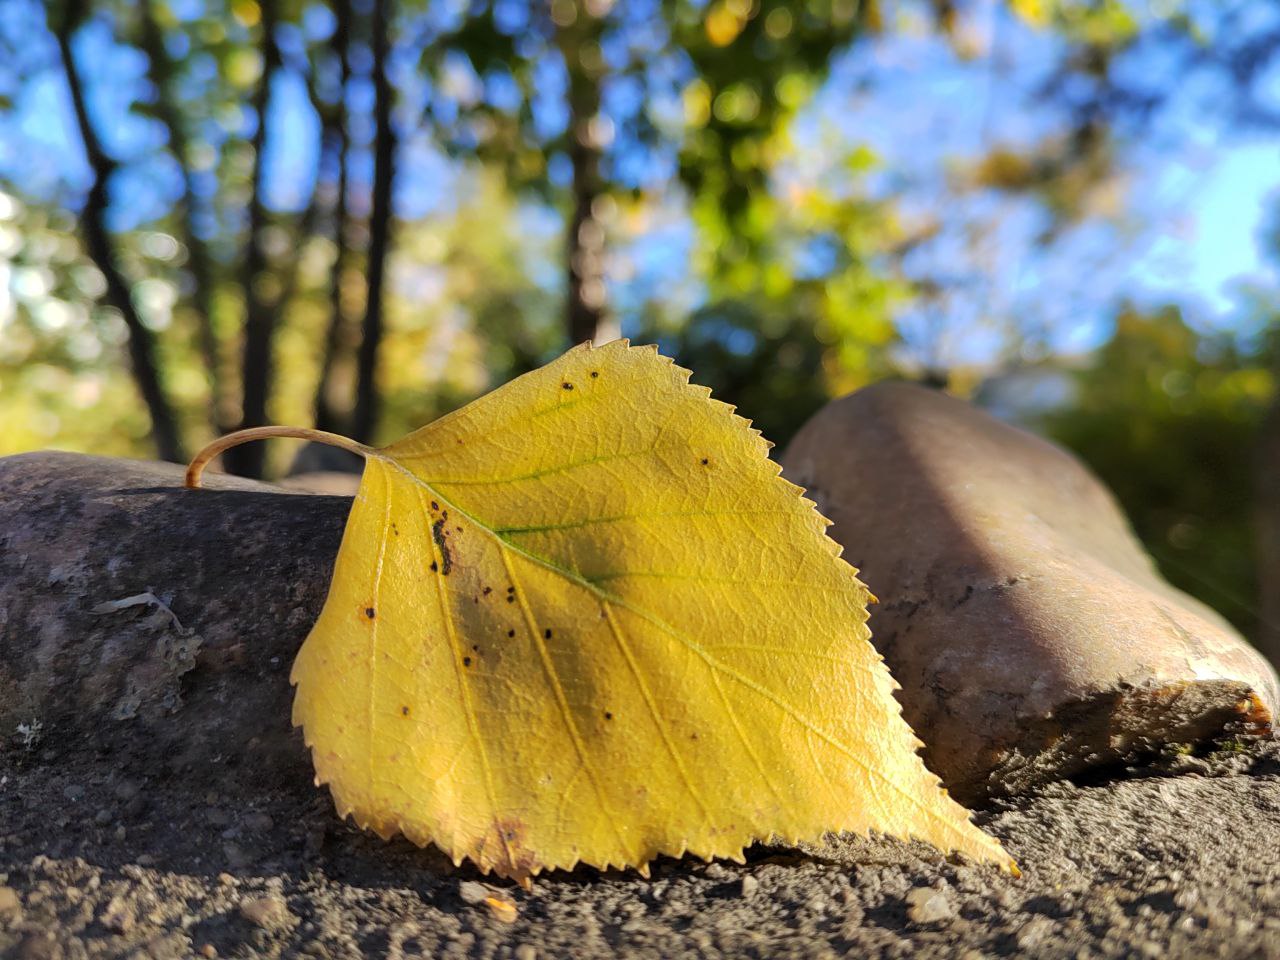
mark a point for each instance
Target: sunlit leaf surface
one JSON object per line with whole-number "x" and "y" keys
{"x": 584, "y": 619}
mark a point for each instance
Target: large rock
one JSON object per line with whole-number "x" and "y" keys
{"x": 1031, "y": 634}
{"x": 157, "y": 623}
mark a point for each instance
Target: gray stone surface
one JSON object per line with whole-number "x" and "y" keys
{"x": 138, "y": 615}
{"x": 1031, "y": 634}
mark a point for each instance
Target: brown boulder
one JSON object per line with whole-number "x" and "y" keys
{"x": 1031, "y": 634}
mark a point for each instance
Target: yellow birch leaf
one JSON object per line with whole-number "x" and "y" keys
{"x": 583, "y": 619}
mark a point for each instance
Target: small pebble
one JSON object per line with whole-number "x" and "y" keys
{"x": 1033, "y": 932}
{"x": 266, "y": 912}
{"x": 10, "y": 906}
{"x": 750, "y": 885}
{"x": 102, "y": 817}
{"x": 236, "y": 855}
{"x": 472, "y": 892}
{"x": 927, "y": 905}
{"x": 504, "y": 911}
{"x": 118, "y": 916}
{"x": 717, "y": 871}
{"x": 209, "y": 951}
{"x": 73, "y": 792}
{"x": 525, "y": 952}
{"x": 258, "y": 822}
{"x": 126, "y": 790}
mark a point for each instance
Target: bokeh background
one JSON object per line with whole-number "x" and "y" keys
{"x": 360, "y": 214}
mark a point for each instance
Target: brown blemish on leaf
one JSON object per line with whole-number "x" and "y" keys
{"x": 369, "y": 612}
{"x": 442, "y": 541}
{"x": 404, "y": 711}
{"x": 594, "y": 374}
{"x": 503, "y": 849}
{"x": 466, "y": 661}
{"x": 547, "y": 633}
{"x": 567, "y": 385}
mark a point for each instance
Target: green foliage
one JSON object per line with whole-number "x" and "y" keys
{"x": 1168, "y": 418}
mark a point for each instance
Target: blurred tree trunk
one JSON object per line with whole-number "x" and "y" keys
{"x": 326, "y": 418}
{"x": 101, "y": 248}
{"x": 259, "y": 322}
{"x": 384, "y": 146}
{"x": 1268, "y": 525}
{"x": 579, "y": 44}
{"x": 200, "y": 262}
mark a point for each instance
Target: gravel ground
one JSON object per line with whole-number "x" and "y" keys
{"x": 101, "y": 860}
{"x": 160, "y": 807}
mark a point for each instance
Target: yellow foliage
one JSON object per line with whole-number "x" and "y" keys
{"x": 584, "y": 619}
{"x": 1035, "y": 12}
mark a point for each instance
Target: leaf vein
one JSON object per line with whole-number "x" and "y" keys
{"x": 658, "y": 721}
{"x": 442, "y": 594}
{"x": 562, "y": 701}
{"x": 622, "y": 517}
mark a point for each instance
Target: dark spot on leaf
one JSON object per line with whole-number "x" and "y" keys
{"x": 547, "y": 633}
{"x": 437, "y": 534}
{"x": 459, "y": 529}
{"x": 434, "y": 505}
{"x": 368, "y": 612}
{"x": 404, "y": 711}
{"x": 511, "y": 633}
{"x": 567, "y": 385}
{"x": 608, "y": 715}
{"x": 510, "y": 598}
{"x": 693, "y": 736}
{"x": 511, "y": 589}
{"x": 434, "y": 566}
{"x": 466, "y": 661}
{"x": 510, "y": 834}
{"x": 594, "y": 374}
{"x": 705, "y": 461}
{"x": 487, "y": 590}
{"x": 395, "y": 529}
{"x": 475, "y": 647}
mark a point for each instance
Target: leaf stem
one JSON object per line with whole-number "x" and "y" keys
{"x": 201, "y": 459}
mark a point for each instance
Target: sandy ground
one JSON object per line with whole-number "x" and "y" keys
{"x": 99, "y": 860}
